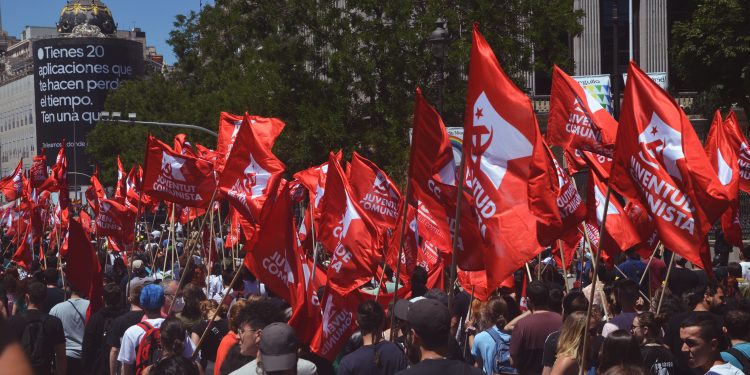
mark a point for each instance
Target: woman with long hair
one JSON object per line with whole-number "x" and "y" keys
{"x": 570, "y": 345}
{"x": 171, "y": 346}
{"x": 657, "y": 358}
{"x": 619, "y": 348}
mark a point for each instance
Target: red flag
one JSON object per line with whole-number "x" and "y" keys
{"x": 739, "y": 143}
{"x": 38, "y": 170}
{"x": 233, "y": 234}
{"x": 570, "y": 241}
{"x": 95, "y": 193}
{"x": 376, "y": 193}
{"x": 83, "y": 269}
{"x": 620, "y": 233}
{"x": 23, "y": 255}
{"x": 251, "y": 173}
{"x": 503, "y": 154}
{"x": 115, "y": 220}
{"x": 645, "y": 227}
{"x": 182, "y": 146}
{"x": 409, "y": 252}
{"x": 272, "y": 258}
{"x": 85, "y": 222}
{"x": 576, "y": 119}
{"x": 352, "y": 237}
{"x": 172, "y": 177}
{"x": 120, "y": 188}
{"x": 723, "y": 158}
{"x": 339, "y": 313}
{"x": 266, "y": 129}
{"x": 314, "y": 180}
{"x": 658, "y": 160}
{"x": 12, "y": 185}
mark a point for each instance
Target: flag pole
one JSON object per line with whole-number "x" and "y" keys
{"x": 457, "y": 229}
{"x": 562, "y": 258}
{"x": 221, "y": 235}
{"x": 595, "y": 265}
{"x": 468, "y": 315}
{"x": 649, "y": 263}
{"x": 135, "y": 233}
{"x": 194, "y": 245}
{"x": 402, "y": 240}
{"x": 666, "y": 280}
{"x": 314, "y": 244}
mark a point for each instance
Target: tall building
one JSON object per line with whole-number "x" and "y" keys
{"x": 54, "y": 81}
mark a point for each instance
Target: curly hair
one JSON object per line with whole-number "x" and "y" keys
{"x": 260, "y": 313}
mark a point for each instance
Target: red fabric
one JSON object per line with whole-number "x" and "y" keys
{"x": 82, "y": 266}
{"x": 576, "y": 119}
{"x": 434, "y": 190}
{"x": 229, "y": 340}
{"x": 95, "y": 193}
{"x": 350, "y": 234}
{"x": 620, "y": 233}
{"x": 85, "y": 222}
{"x": 23, "y": 255}
{"x": 739, "y": 143}
{"x": 376, "y": 193}
{"x": 314, "y": 180}
{"x": 409, "y": 252}
{"x": 272, "y": 258}
{"x": 645, "y": 227}
{"x": 12, "y": 185}
{"x": 338, "y": 322}
{"x": 307, "y": 314}
{"x": 659, "y": 161}
{"x": 182, "y": 146}
{"x": 723, "y": 158}
{"x": 172, "y": 177}
{"x": 570, "y": 241}
{"x": 116, "y": 221}
{"x": 251, "y": 173}
{"x": 38, "y": 170}
{"x": 58, "y": 180}
{"x": 504, "y": 157}
{"x": 120, "y": 187}
{"x": 267, "y": 129}
{"x": 233, "y": 234}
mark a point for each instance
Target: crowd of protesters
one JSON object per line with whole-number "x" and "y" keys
{"x": 191, "y": 318}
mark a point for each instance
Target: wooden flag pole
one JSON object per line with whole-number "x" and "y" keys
{"x": 314, "y": 244}
{"x": 192, "y": 248}
{"x": 457, "y": 229}
{"x": 595, "y": 265}
{"x": 666, "y": 281}
{"x": 649, "y": 263}
{"x": 562, "y": 259}
{"x": 402, "y": 240}
{"x": 468, "y": 315}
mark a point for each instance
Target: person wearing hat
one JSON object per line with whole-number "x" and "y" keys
{"x": 430, "y": 327}
{"x": 139, "y": 276}
{"x": 277, "y": 354}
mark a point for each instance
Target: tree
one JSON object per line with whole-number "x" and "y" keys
{"x": 339, "y": 76}
{"x": 711, "y": 51}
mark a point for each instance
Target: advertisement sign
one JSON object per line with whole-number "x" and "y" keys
{"x": 72, "y": 77}
{"x": 660, "y": 78}
{"x": 599, "y": 87}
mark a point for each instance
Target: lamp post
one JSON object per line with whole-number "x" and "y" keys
{"x": 439, "y": 40}
{"x": 615, "y": 62}
{"x": 117, "y": 117}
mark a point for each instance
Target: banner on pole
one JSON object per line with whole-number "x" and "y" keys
{"x": 599, "y": 87}
{"x": 660, "y": 78}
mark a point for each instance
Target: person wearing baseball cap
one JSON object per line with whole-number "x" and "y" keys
{"x": 277, "y": 354}
{"x": 430, "y": 327}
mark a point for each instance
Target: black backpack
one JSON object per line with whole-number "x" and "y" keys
{"x": 34, "y": 343}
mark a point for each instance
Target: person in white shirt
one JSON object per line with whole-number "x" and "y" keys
{"x": 702, "y": 343}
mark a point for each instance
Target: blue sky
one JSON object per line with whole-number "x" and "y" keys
{"x": 155, "y": 17}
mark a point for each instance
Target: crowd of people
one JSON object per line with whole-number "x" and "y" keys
{"x": 195, "y": 317}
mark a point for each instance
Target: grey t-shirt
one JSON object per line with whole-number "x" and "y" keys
{"x": 72, "y": 313}
{"x": 304, "y": 367}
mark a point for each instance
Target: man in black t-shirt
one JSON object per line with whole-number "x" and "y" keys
{"x": 118, "y": 327}
{"x": 96, "y": 345}
{"x": 44, "y": 341}
{"x": 55, "y": 295}
{"x": 376, "y": 356}
{"x": 430, "y": 324}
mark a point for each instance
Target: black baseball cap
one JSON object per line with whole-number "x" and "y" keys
{"x": 429, "y": 319}
{"x": 278, "y": 347}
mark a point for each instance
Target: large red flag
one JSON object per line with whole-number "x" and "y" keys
{"x": 95, "y": 193}
{"x": 314, "y": 180}
{"x": 272, "y": 258}
{"x": 658, "y": 160}
{"x": 115, "y": 220}
{"x": 251, "y": 173}
{"x": 739, "y": 143}
{"x": 376, "y": 193}
{"x": 503, "y": 153}
{"x": 266, "y": 129}
{"x": 38, "y": 170}
{"x": 620, "y": 234}
{"x": 355, "y": 241}
{"x": 120, "y": 188}
{"x": 172, "y": 177}
{"x": 576, "y": 119}
{"x": 339, "y": 313}
{"x": 83, "y": 269}
{"x": 23, "y": 255}
{"x": 12, "y": 185}
{"x": 434, "y": 189}
{"x": 723, "y": 158}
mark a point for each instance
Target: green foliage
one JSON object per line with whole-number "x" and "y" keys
{"x": 711, "y": 51}
{"x": 338, "y": 76}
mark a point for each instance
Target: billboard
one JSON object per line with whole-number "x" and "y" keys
{"x": 71, "y": 79}
{"x": 599, "y": 87}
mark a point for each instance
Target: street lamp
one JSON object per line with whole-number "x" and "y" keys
{"x": 439, "y": 40}
{"x": 117, "y": 117}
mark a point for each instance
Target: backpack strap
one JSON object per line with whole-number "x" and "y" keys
{"x": 744, "y": 361}
{"x": 495, "y": 335}
{"x": 83, "y": 320}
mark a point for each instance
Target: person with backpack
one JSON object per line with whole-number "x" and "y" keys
{"x": 96, "y": 348}
{"x": 41, "y": 335}
{"x": 72, "y": 314}
{"x": 140, "y": 343}
{"x": 491, "y": 347}
{"x": 172, "y": 342}
{"x": 737, "y": 324}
